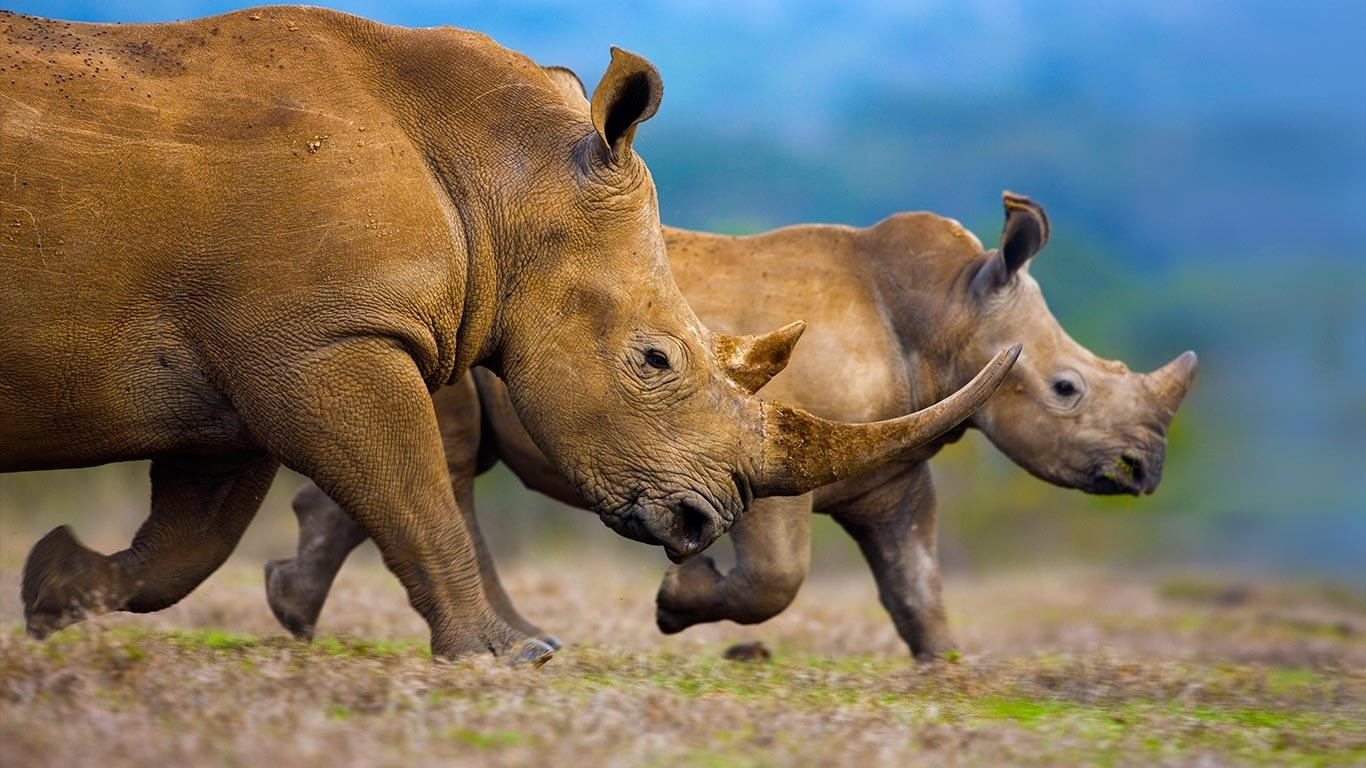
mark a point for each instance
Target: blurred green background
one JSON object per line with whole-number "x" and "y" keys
{"x": 1205, "y": 169}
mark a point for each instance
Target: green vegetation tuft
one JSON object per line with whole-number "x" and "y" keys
{"x": 486, "y": 739}
{"x": 213, "y": 639}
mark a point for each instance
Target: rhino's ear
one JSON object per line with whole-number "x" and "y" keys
{"x": 751, "y": 361}
{"x": 1025, "y": 233}
{"x": 568, "y": 84}
{"x": 628, "y": 94}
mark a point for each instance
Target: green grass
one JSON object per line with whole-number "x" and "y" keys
{"x": 1257, "y": 690}
{"x": 486, "y": 739}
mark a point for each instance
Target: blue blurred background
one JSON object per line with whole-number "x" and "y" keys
{"x": 1204, "y": 165}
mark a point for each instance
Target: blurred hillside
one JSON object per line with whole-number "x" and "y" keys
{"x": 1205, "y": 170}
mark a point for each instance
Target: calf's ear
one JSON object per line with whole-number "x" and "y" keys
{"x": 628, "y": 94}
{"x": 568, "y": 84}
{"x": 1025, "y": 233}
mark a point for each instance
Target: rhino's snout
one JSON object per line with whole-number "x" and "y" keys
{"x": 1135, "y": 472}
{"x": 696, "y": 526}
{"x": 683, "y": 524}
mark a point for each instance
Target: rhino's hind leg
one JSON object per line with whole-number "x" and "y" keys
{"x": 200, "y": 507}
{"x": 297, "y": 587}
{"x": 772, "y": 556}
{"x": 894, "y": 527}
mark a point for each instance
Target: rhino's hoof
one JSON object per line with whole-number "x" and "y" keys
{"x": 552, "y": 641}
{"x": 57, "y": 580}
{"x": 281, "y": 596}
{"x": 533, "y": 652}
{"x": 40, "y": 624}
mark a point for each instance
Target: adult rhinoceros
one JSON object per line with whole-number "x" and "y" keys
{"x": 901, "y": 313}
{"x": 263, "y": 238}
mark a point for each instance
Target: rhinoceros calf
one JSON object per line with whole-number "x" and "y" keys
{"x": 900, "y": 313}
{"x": 263, "y": 238}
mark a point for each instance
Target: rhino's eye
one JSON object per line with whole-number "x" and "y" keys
{"x": 1064, "y": 388}
{"x": 656, "y": 359}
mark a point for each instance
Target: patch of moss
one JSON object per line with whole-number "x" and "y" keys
{"x": 214, "y": 639}
{"x": 1025, "y": 711}
{"x": 486, "y": 739}
{"x": 1292, "y": 679}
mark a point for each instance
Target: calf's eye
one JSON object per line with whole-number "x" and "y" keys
{"x": 656, "y": 359}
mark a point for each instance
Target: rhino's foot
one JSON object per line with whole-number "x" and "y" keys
{"x": 511, "y": 646}
{"x": 531, "y": 630}
{"x": 295, "y": 604}
{"x": 63, "y": 583}
{"x": 691, "y": 593}
{"x": 534, "y": 651}
{"x": 931, "y": 650}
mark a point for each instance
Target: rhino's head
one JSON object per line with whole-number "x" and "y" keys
{"x": 1064, "y": 414}
{"x": 645, "y": 411}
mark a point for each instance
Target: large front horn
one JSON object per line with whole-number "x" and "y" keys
{"x": 1170, "y": 383}
{"x": 801, "y": 452}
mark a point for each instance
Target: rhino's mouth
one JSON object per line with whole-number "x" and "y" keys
{"x": 684, "y": 524}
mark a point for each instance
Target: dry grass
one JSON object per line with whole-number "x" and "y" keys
{"x": 1060, "y": 666}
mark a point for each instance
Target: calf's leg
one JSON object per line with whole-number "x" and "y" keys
{"x": 894, "y": 526}
{"x": 772, "y": 556}
{"x": 200, "y": 507}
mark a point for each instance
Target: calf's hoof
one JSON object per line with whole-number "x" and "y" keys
{"x": 690, "y": 594}
{"x": 296, "y": 612}
{"x": 62, "y": 583}
{"x": 671, "y": 623}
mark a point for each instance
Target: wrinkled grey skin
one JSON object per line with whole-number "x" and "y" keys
{"x": 901, "y": 313}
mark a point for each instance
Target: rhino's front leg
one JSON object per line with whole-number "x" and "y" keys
{"x": 894, "y": 526}
{"x": 297, "y": 587}
{"x": 358, "y": 420}
{"x": 772, "y": 556}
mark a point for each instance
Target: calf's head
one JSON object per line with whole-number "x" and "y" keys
{"x": 645, "y": 411}
{"x": 1064, "y": 414}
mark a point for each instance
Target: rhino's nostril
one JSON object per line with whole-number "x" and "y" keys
{"x": 1134, "y": 467}
{"x": 696, "y": 523}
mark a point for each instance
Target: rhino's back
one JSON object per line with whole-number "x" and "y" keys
{"x": 239, "y": 174}
{"x": 848, "y": 365}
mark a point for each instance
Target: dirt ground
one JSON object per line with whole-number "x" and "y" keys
{"x": 1071, "y": 667}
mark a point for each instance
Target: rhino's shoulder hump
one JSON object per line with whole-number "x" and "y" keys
{"x": 924, "y": 231}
